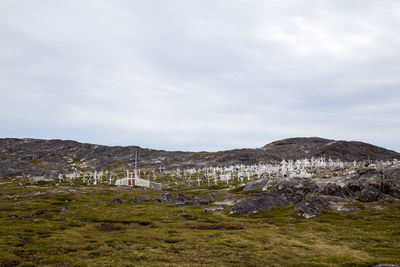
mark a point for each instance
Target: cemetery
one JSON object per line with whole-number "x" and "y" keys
{"x": 293, "y": 212}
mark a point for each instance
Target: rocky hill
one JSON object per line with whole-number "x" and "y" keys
{"x": 36, "y": 157}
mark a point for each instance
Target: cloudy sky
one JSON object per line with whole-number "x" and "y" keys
{"x": 200, "y": 75}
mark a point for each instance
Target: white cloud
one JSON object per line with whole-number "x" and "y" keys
{"x": 200, "y": 74}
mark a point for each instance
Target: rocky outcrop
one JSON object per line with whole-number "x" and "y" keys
{"x": 139, "y": 200}
{"x": 283, "y": 192}
{"x": 255, "y": 185}
{"x": 311, "y": 206}
{"x": 182, "y": 200}
{"x": 261, "y": 202}
{"x": 310, "y": 196}
{"x": 391, "y": 182}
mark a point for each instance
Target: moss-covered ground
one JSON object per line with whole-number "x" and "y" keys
{"x": 95, "y": 233}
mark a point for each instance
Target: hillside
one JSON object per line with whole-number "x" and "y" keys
{"x": 36, "y": 157}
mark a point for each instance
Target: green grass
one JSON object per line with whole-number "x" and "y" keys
{"x": 156, "y": 234}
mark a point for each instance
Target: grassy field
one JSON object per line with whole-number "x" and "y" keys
{"x": 95, "y": 233}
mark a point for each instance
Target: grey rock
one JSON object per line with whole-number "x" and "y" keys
{"x": 202, "y": 200}
{"x": 139, "y": 200}
{"x": 184, "y": 215}
{"x": 391, "y": 182}
{"x": 311, "y": 206}
{"x": 165, "y": 197}
{"x": 182, "y": 200}
{"x": 255, "y": 185}
{"x": 369, "y": 194}
{"x": 42, "y": 212}
{"x": 332, "y": 189}
{"x": 261, "y": 202}
{"x": 116, "y": 201}
{"x": 368, "y": 173}
{"x": 311, "y": 196}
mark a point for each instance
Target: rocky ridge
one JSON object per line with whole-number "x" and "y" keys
{"x": 311, "y": 195}
{"x": 44, "y": 157}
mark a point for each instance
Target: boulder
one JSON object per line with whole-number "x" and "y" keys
{"x": 311, "y": 206}
{"x": 369, "y": 194}
{"x": 165, "y": 197}
{"x": 42, "y": 212}
{"x": 391, "y": 182}
{"x": 116, "y": 201}
{"x": 202, "y": 200}
{"x": 260, "y": 202}
{"x": 255, "y": 185}
{"x": 182, "y": 200}
{"x": 333, "y": 189}
{"x": 368, "y": 173}
{"x": 139, "y": 200}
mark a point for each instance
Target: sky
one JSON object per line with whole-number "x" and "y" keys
{"x": 203, "y": 75}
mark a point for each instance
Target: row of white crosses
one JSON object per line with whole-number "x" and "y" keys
{"x": 87, "y": 177}
{"x": 301, "y": 167}
{"x": 216, "y": 174}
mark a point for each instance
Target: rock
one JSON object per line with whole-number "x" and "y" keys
{"x": 61, "y": 219}
{"x": 294, "y": 188}
{"x": 368, "y": 173}
{"x": 184, "y": 215}
{"x": 30, "y": 217}
{"x": 165, "y": 197}
{"x": 311, "y": 195}
{"x": 332, "y": 189}
{"x": 260, "y": 202}
{"x": 182, "y": 200}
{"x": 213, "y": 208}
{"x": 282, "y": 192}
{"x": 139, "y": 200}
{"x": 386, "y": 265}
{"x": 116, "y": 201}
{"x": 255, "y": 185}
{"x": 369, "y": 194}
{"x": 42, "y": 212}
{"x": 391, "y": 182}
{"x": 202, "y": 200}
{"x": 65, "y": 210}
{"x": 311, "y": 206}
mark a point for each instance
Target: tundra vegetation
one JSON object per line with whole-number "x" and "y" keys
{"x": 79, "y": 225}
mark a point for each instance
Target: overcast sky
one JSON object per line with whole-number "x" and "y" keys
{"x": 200, "y": 75}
